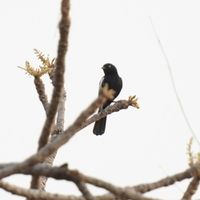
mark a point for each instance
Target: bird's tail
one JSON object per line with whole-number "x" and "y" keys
{"x": 99, "y": 126}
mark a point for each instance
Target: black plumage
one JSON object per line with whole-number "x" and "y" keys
{"x": 114, "y": 81}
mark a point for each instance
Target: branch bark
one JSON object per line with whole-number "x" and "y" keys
{"x": 170, "y": 180}
{"x": 33, "y": 194}
{"x": 192, "y": 188}
{"x": 39, "y": 85}
{"x": 58, "y": 74}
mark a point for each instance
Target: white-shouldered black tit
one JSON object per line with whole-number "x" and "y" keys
{"x": 114, "y": 82}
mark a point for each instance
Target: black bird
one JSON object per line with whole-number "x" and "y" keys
{"x": 112, "y": 79}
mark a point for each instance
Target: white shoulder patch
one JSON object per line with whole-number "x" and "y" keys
{"x": 101, "y": 81}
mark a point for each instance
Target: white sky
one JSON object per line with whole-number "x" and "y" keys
{"x": 139, "y": 145}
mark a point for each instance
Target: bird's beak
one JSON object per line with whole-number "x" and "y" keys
{"x": 103, "y": 67}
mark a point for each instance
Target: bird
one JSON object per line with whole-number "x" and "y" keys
{"x": 114, "y": 82}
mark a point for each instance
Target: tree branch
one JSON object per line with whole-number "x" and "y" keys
{"x": 170, "y": 180}
{"x": 39, "y": 85}
{"x": 60, "y": 140}
{"x": 59, "y": 73}
{"x": 33, "y": 194}
{"x": 40, "y": 182}
{"x": 84, "y": 190}
{"x": 41, "y": 195}
{"x": 75, "y": 176}
{"x": 192, "y": 188}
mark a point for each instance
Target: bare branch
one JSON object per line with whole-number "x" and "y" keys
{"x": 170, "y": 180}
{"x": 117, "y": 106}
{"x": 41, "y": 92}
{"x": 41, "y": 195}
{"x": 192, "y": 188}
{"x": 84, "y": 190}
{"x": 61, "y": 114}
{"x": 116, "y": 190}
{"x": 40, "y": 182}
{"x": 173, "y": 83}
{"x": 59, "y": 73}
{"x": 59, "y": 129}
{"x": 75, "y": 176}
{"x": 33, "y": 194}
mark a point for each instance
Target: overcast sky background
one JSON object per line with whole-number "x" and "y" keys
{"x": 139, "y": 146}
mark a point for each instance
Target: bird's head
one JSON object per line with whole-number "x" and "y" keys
{"x": 109, "y": 68}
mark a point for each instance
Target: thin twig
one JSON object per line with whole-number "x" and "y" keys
{"x": 173, "y": 83}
